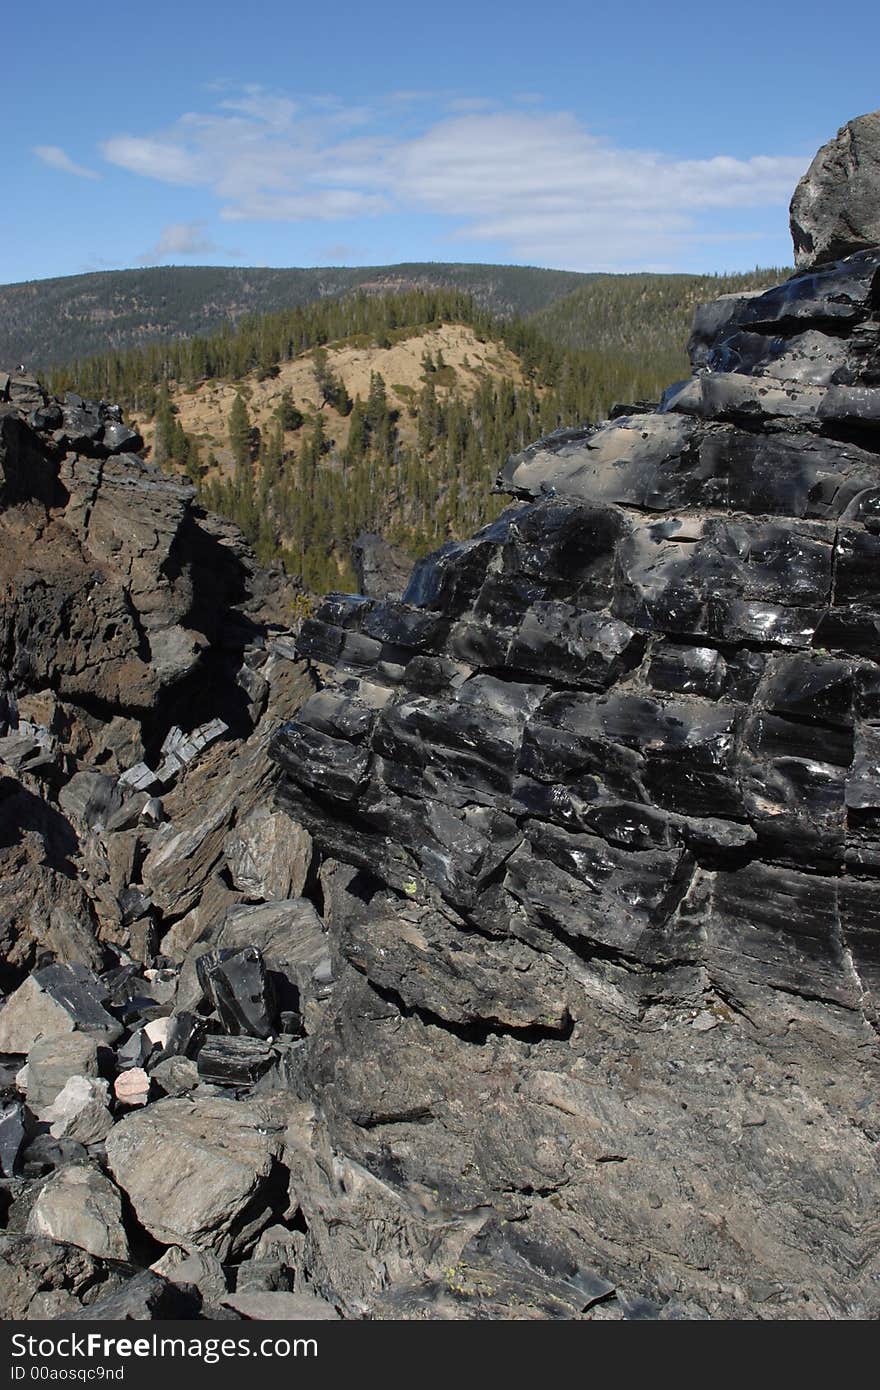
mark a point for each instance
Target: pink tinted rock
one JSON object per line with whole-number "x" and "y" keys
{"x": 132, "y": 1087}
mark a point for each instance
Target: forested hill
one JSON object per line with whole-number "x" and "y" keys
{"x": 368, "y": 412}
{"x": 641, "y": 317}
{"x": 45, "y": 323}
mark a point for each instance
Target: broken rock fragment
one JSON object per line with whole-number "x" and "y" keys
{"x": 80, "y": 1111}
{"x": 134, "y": 1051}
{"x": 269, "y": 855}
{"x": 199, "y": 1172}
{"x": 197, "y": 1267}
{"x": 234, "y": 1061}
{"x": 242, "y": 992}
{"x": 13, "y": 1133}
{"x": 147, "y": 1297}
{"x": 80, "y": 993}
{"x": 277, "y": 1304}
{"x": 52, "y": 1061}
{"x": 79, "y": 1205}
{"x": 35, "y": 1011}
{"x": 42, "y": 1279}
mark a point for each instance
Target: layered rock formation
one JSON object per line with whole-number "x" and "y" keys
{"x": 603, "y": 793}
{"x": 510, "y": 949}
{"x": 125, "y": 611}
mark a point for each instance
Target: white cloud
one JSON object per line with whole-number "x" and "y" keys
{"x": 184, "y": 239}
{"x": 320, "y": 205}
{"x": 535, "y": 182}
{"x": 490, "y": 165}
{"x": 56, "y": 158}
{"x": 156, "y": 159}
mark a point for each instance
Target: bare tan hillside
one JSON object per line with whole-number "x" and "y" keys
{"x": 203, "y": 411}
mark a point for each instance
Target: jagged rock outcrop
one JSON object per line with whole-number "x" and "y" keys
{"x": 834, "y": 211}
{"x": 125, "y": 612}
{"x": 382, "y": 569}
{"x": 603, "y": 791}
{"x": 116, "y": 587}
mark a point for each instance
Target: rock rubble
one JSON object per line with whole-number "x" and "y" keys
{"x": 144, "y": 661}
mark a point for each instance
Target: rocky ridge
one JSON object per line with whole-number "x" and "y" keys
{"x": 506, "y": 950}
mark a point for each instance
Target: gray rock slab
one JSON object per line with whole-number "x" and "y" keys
{"x": 281, "y": 1306}
{"x": 197, "y": 1171}
{"x": 82, "y": 1207}
{"x": 52, "y": 1061}
{"x": 835, "y": 209}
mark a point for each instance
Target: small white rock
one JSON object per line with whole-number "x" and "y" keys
{"x": 79, "y": 1111}
{"x": 157, "y": 1031}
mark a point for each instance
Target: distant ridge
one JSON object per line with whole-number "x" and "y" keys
{"x": 45, "y": 323}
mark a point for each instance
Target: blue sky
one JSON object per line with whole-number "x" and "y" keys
{"x": 582, "y": 136}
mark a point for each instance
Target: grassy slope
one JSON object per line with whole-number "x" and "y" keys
{"x": 203, "y": 410}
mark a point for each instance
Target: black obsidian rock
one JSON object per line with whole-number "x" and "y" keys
{"x": 13, "y": 1133}
{"x": 659, "y": 663}
{"x": 117, "y": 437}
{"x": 82, "y": 994}
{"x": 242, "y": 993}
{"x": 186, "y": 1034}
{"x": 234, "y": 1061}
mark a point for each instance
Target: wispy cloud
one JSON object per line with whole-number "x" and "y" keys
{"x": 166, "y": 160}
{"x": 56, "y": 158}
{"x": 470, "y": 104}
{"x": 535, "y": 182}
{"x": 185, "y": 239}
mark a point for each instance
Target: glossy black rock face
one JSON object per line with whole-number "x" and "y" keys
{"x": 82, "y": 995}
{"x": 241, "y": 991}
{"x": 13, "y": 1133}
{"x": 605, "y": 781}
{"x": 651, "y": 670}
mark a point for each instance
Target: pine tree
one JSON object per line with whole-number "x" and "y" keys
{"x": 356, "y": 446}
{"x": 289, "y": 417}
{"x": 331, "y": 388}
{"x": 191, "y": 461}
{"x": 271, "y": 461}
{"x": 239, "y": 429}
